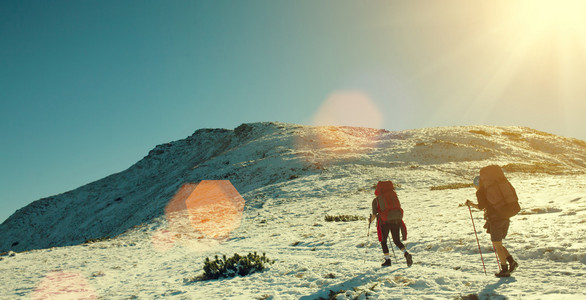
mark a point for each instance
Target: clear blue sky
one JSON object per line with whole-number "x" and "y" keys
{"x": 87, "y": 88}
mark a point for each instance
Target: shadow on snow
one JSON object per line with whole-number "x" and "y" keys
{"x": 356, "y": 281}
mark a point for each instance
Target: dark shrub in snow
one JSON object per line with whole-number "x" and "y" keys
{"x": 235, "y": 265}
{"x": 451, "y": 186}
{"x": 343, "y": 218}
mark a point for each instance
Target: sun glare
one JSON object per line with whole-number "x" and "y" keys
{"x": 534, "y": 51}
{"x": 536, "y": 18}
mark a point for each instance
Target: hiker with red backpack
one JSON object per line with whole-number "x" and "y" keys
{"x": 387, "y": 210}
{"x": 497, "y": 197}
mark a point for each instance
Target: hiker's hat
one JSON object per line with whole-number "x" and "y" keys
{"x": 476, "y": 181}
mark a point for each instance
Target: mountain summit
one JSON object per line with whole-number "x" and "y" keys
{"x": 258, "y": 155}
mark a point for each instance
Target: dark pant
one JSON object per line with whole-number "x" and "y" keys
{"x": 394, "y": 228}
{"x": 498, "y": 229}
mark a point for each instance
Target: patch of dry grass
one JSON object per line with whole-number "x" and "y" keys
{"x": 451, "y": 186}
{"x": 538, "y": 167}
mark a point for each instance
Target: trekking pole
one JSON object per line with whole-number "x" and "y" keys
{"x": 392, "y": 248}
{"x": 498, "y": 262}
{"x": 480, "y": 251}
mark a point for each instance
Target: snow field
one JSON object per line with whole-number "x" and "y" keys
{"x": 314, "y": 257}
{"x": 288, "y": 192}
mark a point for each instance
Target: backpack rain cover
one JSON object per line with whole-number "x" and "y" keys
{"x": 389, "y": 207}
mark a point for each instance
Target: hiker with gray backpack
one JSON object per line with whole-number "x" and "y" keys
{"x": 497, "y": 197}
{"x": 387, "y": 210}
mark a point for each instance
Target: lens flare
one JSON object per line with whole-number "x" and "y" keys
{"x": 209, "y": 209}
{"x": 163, "y": 240}
{"x": 64, "y": 285}
{"x": 348, "y": 108}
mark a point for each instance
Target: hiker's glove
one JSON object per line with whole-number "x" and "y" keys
{"x": 468, "y": 202}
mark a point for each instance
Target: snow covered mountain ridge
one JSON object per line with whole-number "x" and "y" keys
{"x": 255, "y": 156}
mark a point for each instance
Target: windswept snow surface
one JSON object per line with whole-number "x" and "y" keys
{"x": 291, "y": 177}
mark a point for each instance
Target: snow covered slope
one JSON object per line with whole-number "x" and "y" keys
{"x": 256, "y": 155}
{"x": 291, "y": 176}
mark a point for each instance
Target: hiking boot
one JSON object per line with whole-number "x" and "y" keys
{"x": 513, "y": 266}
{"x": 409, "y": 259}
{"x": 386, "y": 263}
{"x": 504, "y": 272}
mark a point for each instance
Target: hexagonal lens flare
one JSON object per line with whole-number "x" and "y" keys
{"x": 64, "y": 285}
{"x": 209, "y": 209}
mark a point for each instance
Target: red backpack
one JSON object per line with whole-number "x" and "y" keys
{"x": 389, "y": 207}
